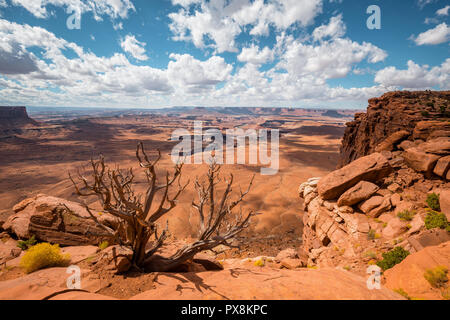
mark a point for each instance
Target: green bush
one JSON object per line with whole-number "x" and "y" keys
{"x": 437, "y": 277}
{"x": 392, "y": 258}
{"x": 435, "y": 220}
{"x": 425, "y": 114}
{"x": 43, "y": 255}
{"x": 26, "y": 244}
{"x": 406, "y": 215}
{"x": 433, "y": 202}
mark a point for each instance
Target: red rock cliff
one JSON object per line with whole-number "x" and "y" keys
{"x": 388, "y": 114}
{"x": 14, "y": 116}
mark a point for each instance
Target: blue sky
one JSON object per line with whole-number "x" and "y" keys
{"x": 274, "y": 53}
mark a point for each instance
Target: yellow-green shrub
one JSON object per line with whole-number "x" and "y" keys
{"x": 437, "y": 277}
{"x": 103, "y": 245}
{"x": 259, "y": 263}
{"x": 43, "y": 255}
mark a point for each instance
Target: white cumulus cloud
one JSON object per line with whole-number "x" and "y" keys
{"x": 254, "y": 55}
{"x": 443, "y": 11}
{"x": 416, "y": 76}
{"x": 221, "y": 21}
{"x": 134, "y": 47}
{"x": 113, "y": 8}
{"x": 437, "y": 35}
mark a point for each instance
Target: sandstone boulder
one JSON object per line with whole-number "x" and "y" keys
{"x": 56, "y": 220}
{"x": 444, "y": 199}
{"x": 429, "y": 238}
{"x": 396, "y": 199}
{"x": 8, "y": 250}
{"x": 370, "y": 168}
{"x": 356, "y": 223}
{"x": 362, "y": 191}
{"x": 292, "y": 264}
{"x": 442, "y": 167}
{"x": 405, "y": 145}
{"x": 416, "y": 225}
{"x": 385, "y": 206}
{"x": 394, "y": 228}
{"x": 419, "y": 160}
{"x": 371, "y": 203}
{"x": 390, "y": 143}
{"x": 287, "y": 254}
{"x": 439, "y": 146}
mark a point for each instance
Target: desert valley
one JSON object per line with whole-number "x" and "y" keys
{"x": 371, "y": 184}
{"x": 224, "y": 159}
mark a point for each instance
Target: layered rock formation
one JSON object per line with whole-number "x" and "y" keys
{"x": 395, "y": 115}
{"x": 13, "y": 117}
{"x": 56, "y": 220}
{"x": 351, "y": 215}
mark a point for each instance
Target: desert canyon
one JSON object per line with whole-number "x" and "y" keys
{"x": 352, "y": 188}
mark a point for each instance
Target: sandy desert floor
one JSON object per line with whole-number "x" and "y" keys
{"x": 37, "y": 161}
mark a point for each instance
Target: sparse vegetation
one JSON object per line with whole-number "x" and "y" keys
{"x": 445, "y": 293}
{"x": 372, "y": 262}
{"x": 433, "y": 202}
{"x": 425, "y": 113}
{"x": 43, "y": 255}
{"x": 373, "y": 235}
{"x": 370, "y": 254}
{"x": 26, "y": 244}
{"x": 102, "y": 246}
{"x": 435, "y": 220}
{"x": 406, "y": 215}
{"x": 259, "y": 263}
{"x": 403, "y": 293}
{"x": 437, "y": 277}
{"x": 393, "y": 257}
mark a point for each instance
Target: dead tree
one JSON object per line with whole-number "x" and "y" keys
{"x": 114, "y": 189}
{"x": 137, "y": 223}
{"x": 218, "y": 224}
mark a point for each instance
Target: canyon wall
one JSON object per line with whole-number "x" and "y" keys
{"x": 393, "y": 157}
{"x": 390, "y": 113}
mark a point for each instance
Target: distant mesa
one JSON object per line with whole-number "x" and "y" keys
{"x": 15, "y": 117}
{"x": 333, "y": 114}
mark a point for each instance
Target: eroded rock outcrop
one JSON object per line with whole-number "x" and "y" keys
{"x": 392, "y": 159}
{"x": 390, "y": 117}
{"x": 56, "y": 220}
